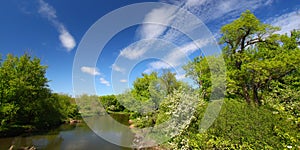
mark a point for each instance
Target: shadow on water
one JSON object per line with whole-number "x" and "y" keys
{"x": 74, "y": 137}
{"x": 121, "y": 118}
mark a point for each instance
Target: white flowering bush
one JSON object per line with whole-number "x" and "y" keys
{"x": 176, "y": 112}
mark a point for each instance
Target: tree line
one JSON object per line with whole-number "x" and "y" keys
{"x": 26, "y": 102}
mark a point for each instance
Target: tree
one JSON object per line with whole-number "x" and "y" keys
{"x": 111, "y": 103}
{"x": 169, "y": 81}
{"x": 198, "y": 70}
{"x": 242, "y": 33}
{"x": 262, "y": 68}
{"x": 25, "y": 98}
{"x": 255, "y": 56}
{"x": 204, "y": 70}
{"x": 141, "y": 86}
{"x": 23, "y": 85}
{"x": 154, "y": 88}
{"x": 237, "y": 37}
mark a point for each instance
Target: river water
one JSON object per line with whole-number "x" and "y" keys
{"x": 77, "y": 136}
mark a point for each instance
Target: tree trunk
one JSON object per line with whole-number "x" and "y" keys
{"x": 255, "y": 94}
{"x": 246, "y": 94}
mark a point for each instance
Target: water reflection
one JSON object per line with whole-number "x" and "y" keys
{"x": 75, "y": 137}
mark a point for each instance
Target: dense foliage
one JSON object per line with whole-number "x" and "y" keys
{"x": 256, "y": 57}
{"x": 241, "y": 126}
{"x": 262, "y": 99}
{"x": 148, "y": 92}
{"x": 111, "y": 103}
{"x": 25, "y": 99}
{"x": 262, "y": 104}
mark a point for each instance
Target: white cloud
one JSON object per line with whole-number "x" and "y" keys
{"x": 154, "y": 21}
{"x": 177, "y": 56}
{"x": 117, "y": 68}
{"x": 210, "y": 10}
{"x": 206, "y": 10}
{"x": 160, "y": 65}
{"x": 269, "y": 2}
{"x": 287, "y": 22}
{"x": 105, "y": 82}
{"x": 67, "y": 40}
{"x": 90, "y": 70}
{"x": 193, "y": 46}
{"x": 191, "y": 3}
{"x": 134, "y": 52}
{"x": 123, "y": 80}
{"x": 94, "y": 71}
{"x": 156, "y": 65}
{"x": 47, "y": 11}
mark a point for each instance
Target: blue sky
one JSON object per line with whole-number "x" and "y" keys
{"x": 52, "y": 30}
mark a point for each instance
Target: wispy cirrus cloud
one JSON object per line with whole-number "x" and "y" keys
{"x": 154, "y": 21}
{"x": 90, "y": 70}
{"x": 103, "y": 81}
{"x": 158, "y": 22}
{"x": 287, "y": 22}
{"x": 193, "y": 3}
{"x": 156, "y": 65}
{"x": 206, "y": 10}
{"x": 194, "y": 46}
{"x": 210, "y": 10}
{"x": 135, "y": 50}
{"x": 177, "y": 56}
{"x": 117, "y": 68}
{"x": 47, "y": 11}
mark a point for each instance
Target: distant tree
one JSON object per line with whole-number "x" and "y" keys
{"x": 110, "y": 102}
{"x": 202, "y": 70}
{"x": 141, "y": 86}
{"x": 89, "y": 105}
{"x": 199, "y": 71}
{"x": 169, "y": 81}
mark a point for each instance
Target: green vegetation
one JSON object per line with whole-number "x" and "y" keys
{"x": 26, "y": 102}
{"x": 262, "y": 96}
{"x": 261, "y": 110}
{"x": 111, "y": 104}
{"x": 241, "y": 126}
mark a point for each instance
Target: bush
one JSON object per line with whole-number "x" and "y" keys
{"x": 242, "y": 126}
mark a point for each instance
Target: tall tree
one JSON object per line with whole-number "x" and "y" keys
{"x": 25, "y": 98}
{"x": 255, "y": 56}
{"x": 199, "y": 71}
{"x": 209, "y": 73}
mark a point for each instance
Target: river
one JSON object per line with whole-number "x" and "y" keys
{"x": 77, "y": 136}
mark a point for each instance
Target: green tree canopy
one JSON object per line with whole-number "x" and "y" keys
{"x": 255, "y": 56}
{"x": 25, "y": 98}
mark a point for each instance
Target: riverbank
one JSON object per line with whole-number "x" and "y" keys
{"x": 118, "y": 112}
{"x": 17, "y": 130}
{"x": 14, "y": 130}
